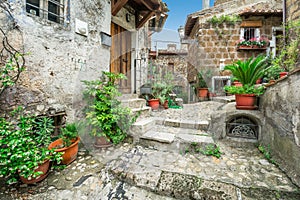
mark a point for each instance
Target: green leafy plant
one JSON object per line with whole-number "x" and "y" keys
{"x": 105, "y": 114}
{"x": 69, "y": 133}
{"x": 211, "y": 150}
{"x": 266, "y": 152}
{"x": 245, "y": 89}
{"x": 248, "y": 71}
{"x": 201, "y": 80}
{"x": 23, "y": 147}
{"x": 229, "y": 19}
{"x": 272, "y": 73}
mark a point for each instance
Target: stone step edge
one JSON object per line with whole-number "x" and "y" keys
{"x": 178, "y": 185}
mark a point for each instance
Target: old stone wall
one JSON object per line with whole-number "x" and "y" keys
{"x": 59, "y": 59}
{"x": 293, "y": 9}
{"x": 280, "y": 106}
{"x": 216, "y": 43}
{"x": 176, "y": 64}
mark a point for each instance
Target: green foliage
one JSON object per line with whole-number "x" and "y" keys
{"x": 105, "y": 114}
{"x": 69, "y": 133}
{"x": 245, "y": 89}
{"x": 11, "y": 70}
{"x": 211, "y": 150}
{"x": 162, "y": 87}
{"x": 272, "y": 73}
{"x": 201, "y": 80}
{"x": 248, "y": 71}
{"x": 266, "y": 152}
{"x": 229, "y": 19}
{"x": 24, "y": 144}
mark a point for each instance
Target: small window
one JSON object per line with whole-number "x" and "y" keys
{"x": 48, "y": 9}
{"x": 249, "y": 33}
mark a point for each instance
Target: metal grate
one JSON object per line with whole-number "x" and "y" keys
{"x": 242, "y": 127}
{"x": 51, "y": 9}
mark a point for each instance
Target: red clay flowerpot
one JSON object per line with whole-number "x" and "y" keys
{"x": 282, "y": 74}
{"x": 245, "y": 101}
{"x": 44, "y": 167}
{"x": 203, "y": 92}
{"x": 166, "y": 104}
{"x": 154, "y": 103}
{"x": 237, "y": 84}
{"x": 258, "y": 81}
{"x": 70, "y": 152}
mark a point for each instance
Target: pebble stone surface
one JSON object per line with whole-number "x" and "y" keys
{"x": 133, "y": 172}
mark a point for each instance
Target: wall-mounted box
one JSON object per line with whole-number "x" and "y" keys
{"x": 81, "y": 27}
{"x": 105, "y": 39}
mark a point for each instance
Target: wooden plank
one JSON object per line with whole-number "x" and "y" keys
{"x": 251, "y": 23}
{"x": 117, "y": 6}
{"x": 145, "y": 18}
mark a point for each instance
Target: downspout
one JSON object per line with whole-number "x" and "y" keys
{"x": 284, "y": 21}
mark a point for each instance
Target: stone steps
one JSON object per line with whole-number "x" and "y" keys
{"x": 137, "y": 105}
{"x": 170, "y": 135}
{"x": 234, "y": 176}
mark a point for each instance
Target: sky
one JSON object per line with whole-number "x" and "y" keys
{"x": 179, "y": 10}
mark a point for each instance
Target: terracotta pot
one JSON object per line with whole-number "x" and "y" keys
{"x": 44, "y": 167}
{"x": 246, "y": 101}
{"x": 237, "y": 84}
{"x": 203, "y": 92}
{"x": 102, "y": 142}
{"x": 166, "y": 104}
{"x": 70, "y": 152}
{"x": 258, "y": 81}
{"x": 154, "y": 103}
{"x": 282, "y": 74}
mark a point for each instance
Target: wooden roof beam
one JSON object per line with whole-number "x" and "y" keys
{"x": 145, "y": 18}
{"x": 117, "y": 6}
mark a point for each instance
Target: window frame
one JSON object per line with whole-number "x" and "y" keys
{"x": 43, "y": 10}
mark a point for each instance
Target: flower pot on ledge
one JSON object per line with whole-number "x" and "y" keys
{"x": 246, "y": 101}
{"x": 252, "y": 47}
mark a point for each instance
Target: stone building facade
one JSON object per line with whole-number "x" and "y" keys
{"x": 173, "y": 61}
{"x": 214, "y": 44}
{"x": 68, "y": 42}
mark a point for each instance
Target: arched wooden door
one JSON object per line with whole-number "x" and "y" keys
{"x": 121, "y": 55}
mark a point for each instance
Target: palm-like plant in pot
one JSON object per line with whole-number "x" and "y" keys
{"x": 247, "y": 72}
{"x": 67, "y": 143}
{"x": 24, "y": 152}
{"x": 109, "y": 120}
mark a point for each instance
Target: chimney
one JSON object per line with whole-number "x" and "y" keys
{"x": 205, "y": 4}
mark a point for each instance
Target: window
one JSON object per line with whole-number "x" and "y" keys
{"x": 52, "y": 10}
{"x": 249, "y": 33}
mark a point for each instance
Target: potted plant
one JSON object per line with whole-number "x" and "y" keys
{"x": 109, "y": 120}
{"x": 161, "y": 90}
{"x": 24, "y": 149}
{"x": 247, "y": 72}
{"x": 67, "y": 143}
{"x": 245, "y": 96}
{"x": 202, "y": 86}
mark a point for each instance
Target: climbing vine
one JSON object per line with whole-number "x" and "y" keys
{"x": 12, "y": 62}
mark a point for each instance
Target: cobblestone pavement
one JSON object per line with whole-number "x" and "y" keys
{"x": 133, "y": 172}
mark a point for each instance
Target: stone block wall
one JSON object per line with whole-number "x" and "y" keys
{"x": 280, "y": 106}
{"x": 219, "y": 42}
{"x": 59, "y": 59}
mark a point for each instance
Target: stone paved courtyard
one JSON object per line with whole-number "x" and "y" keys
{"x": 145, "y": 172}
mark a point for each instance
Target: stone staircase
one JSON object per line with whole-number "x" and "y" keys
{"x": 169, "y": 134}
{"x": 135, "y": 104}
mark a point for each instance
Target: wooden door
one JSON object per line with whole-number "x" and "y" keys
{"x": 121, "y": 55}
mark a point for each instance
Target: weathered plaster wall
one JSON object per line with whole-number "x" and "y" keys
{"x": 59, "y": 58}
{"x": 280, "y": 105}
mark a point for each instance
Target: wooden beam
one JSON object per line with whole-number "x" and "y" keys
{"x": 148, "y": 6}
{"x": 117, "y": 7}
{"x": 251, "y": 23}
{"x": 145, "y": 18}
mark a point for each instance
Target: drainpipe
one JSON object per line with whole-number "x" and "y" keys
{"x": 284, "y": 21}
